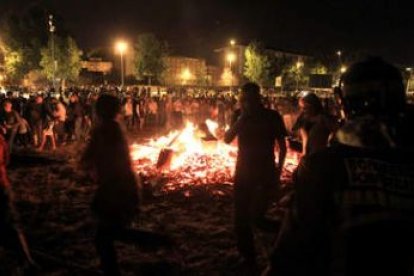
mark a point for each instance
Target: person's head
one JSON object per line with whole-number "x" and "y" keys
{"x": 310, "y": 104}
{"x": 7, "y": 106}
{"x": 372, "y": 87}
{"x": 250, "y": 98}
{"x": 107, "y": 107}
{"x": 74, "y": 98}
{"x": 38, "y": 99}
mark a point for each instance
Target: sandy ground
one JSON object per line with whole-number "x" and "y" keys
{"x": 53, "y": 198}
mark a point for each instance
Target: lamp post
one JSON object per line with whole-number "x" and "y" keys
{"x": 52, "y": 30}
{"x": 339, "y": 54}
{"x": 299, "y": 65}
{"x": 185, "y": 75}
{"x": 230, "y": 58}
{"x": 409, "y": 70}
{"x": 121, "y": 47}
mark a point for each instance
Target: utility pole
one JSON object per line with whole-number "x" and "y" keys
{"x": 52, "y": 30}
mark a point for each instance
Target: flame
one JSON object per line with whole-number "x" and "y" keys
{"x": 195, "y": 161}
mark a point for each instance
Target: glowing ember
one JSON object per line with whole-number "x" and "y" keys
{"x": 195, "y": 159}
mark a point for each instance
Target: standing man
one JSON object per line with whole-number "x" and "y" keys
{"x": 257, "y": 175}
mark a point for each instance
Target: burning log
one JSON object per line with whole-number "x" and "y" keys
{"x": 166, "y": 154}
{"x": 185, "y": 159}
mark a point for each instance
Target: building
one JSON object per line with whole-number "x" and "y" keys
{"x": 97, "y": 65}
{"x": 214, "y": 75}
{"x": 185, "y": 71}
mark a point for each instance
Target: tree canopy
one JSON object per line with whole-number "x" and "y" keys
{"x": 67, "y": 56}
{"x": 258, "y": 65}
{"x": 149, "y": 57}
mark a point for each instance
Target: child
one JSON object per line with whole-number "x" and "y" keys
{"x": 48, "y": 132}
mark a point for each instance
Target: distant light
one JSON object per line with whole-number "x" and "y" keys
{"x": 232, "y": 42}
{"x": 231, "y": 57}
{"x": 186, "y": 74}
{"x": 299, "y": 64}
{"x": 343, "y": 69}
{"x": 339, "y": 53}
{"x": 121, "y": 46}
{"x": 409, "y": 69}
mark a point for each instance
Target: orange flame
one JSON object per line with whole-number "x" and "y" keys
{"x": 194, "y": 161}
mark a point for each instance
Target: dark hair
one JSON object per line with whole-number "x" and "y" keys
{"x": 251, "y": 92}
{"x": 314, "y": 101}
{"x": 389, "y": 99}
{"x": 107, "y": 107}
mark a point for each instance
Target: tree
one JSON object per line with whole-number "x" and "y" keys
{"x": 68, "y": 60}
{"x": 295, "y": 76}
{"x": 149, "y": 57}
{"x": 257, "y": 66}
{"x": 319, "y": 68}
{"x": 24, "y": 32}
{"x": 12, "y": 61}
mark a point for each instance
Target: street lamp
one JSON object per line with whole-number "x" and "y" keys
{"x": 185, "y": 75}
{"x": 299, "y": 65}
{"x": 52, "y": 30}
{"x": 409, "y": 70}
{"x": 121, "y": 47}
{"x": 230, "y": 58}
{"x": 232, "y": 42}
{"x": 339, "y": 54}
{"x": 343, "y": 69}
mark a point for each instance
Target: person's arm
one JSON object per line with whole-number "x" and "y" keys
{"x": 231, "y": 133}
{"x": 304, "y": 138}
{"x": 281, "y": 133}
{"x": 281, "y": 141}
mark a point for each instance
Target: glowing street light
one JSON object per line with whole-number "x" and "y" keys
{"x": 232, "y": 42}
{"x": 231, "y": 57}
{"x": 121, "y": 47}
{"x": 299, "y": 65}
{"x": 343, "y": 69}
{"x": 185, "y": 75}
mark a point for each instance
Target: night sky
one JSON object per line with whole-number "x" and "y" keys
{"x": 196, "y": 27}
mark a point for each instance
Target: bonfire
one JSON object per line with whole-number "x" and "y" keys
{"x": 192, "y": 156}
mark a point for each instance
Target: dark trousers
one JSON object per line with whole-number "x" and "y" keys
{"x": 37, "y": 130}
{"x": 107, "y": 234}
{"x": 251, "y": 204}
{"x": 10, "y": 234}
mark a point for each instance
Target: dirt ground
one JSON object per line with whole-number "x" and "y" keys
{"x": 53, "y": 197}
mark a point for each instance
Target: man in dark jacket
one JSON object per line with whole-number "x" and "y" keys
{"x": 257, "y": 174}
{"x": 353, "y": 211}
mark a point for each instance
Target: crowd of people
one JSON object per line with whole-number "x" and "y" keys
{"x": 48, "y": 120}
{"x": 351, "y": 209}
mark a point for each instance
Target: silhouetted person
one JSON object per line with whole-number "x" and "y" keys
{"x": 116, "y": 200}
{"x": 11, "y": 236}
{"x": 313, "y": 124}
{"x": 257, "y": 175}
{"x": 353, "y": 211}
